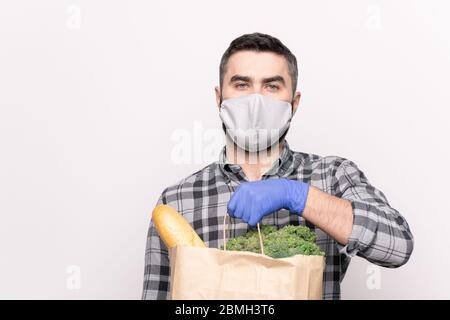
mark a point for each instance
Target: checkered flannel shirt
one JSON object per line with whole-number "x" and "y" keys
{"x": 380, "y": 234}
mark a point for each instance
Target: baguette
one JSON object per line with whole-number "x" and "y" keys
{"x": 173, "y": 229}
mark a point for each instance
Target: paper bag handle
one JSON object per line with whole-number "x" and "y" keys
{"x": 226, "y": 229}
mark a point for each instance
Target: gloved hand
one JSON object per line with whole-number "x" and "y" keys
{"x": 253, "y": 200}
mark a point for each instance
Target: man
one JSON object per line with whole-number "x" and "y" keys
{"x": 274, "y": 185}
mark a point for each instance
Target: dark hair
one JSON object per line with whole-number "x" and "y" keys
{"x": 260, "y": 42}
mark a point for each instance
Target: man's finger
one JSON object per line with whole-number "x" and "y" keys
{"x": 231, "y": 207}
{"x": 240, "y": 209}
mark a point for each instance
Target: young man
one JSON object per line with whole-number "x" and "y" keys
{"x": 258, "y": 178}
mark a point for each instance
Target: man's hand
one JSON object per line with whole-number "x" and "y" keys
{"x": 253, "y": 200}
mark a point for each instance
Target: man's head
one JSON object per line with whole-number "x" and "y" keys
{"x": 258, "y": 63}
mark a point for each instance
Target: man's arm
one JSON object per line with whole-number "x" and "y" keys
{"x": 157, "y": 267}
{"x": 355, "y": 213}
{"x": 331, "y": 214}
{"x": 360, "y": 219}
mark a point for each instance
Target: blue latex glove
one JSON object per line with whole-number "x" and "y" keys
{"x": 253, "y": 200}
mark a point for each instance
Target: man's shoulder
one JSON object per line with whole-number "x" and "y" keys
{"x": 188, "y": 184}
{"x": 324, "y": 172}
{"x": 313, "y": 160}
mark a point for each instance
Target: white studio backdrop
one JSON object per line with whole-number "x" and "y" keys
{"x": 95, "y": 96}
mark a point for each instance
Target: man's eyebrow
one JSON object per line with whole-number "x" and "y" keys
{"x": 238, "y": 77}
{"x": 274, "y": 79}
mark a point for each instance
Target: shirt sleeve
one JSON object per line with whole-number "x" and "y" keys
{"x": 379, "y": 233}
{"x": 157, "y": 267}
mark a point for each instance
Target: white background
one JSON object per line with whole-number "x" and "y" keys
{"x": 92, "y": 93}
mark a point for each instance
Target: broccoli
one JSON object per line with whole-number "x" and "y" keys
{"x": 285, "y": 242}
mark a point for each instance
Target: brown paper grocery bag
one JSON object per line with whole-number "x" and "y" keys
{"x": 210, "y": 273}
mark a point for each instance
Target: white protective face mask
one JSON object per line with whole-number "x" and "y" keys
{"x": 255, "y": 122}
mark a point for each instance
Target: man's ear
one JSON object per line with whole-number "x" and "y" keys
{"x": 296, "y": 101}
{"x": 217, "y": 91}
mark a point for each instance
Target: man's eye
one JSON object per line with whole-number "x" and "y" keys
{"x": 241, "y": 85}
{"x": 273, "y": 87}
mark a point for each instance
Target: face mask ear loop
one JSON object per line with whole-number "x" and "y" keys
{"x": 220, "y": 101}
{"x": 292, "y": 109}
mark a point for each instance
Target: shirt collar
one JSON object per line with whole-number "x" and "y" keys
{"x": 281, "y": 167}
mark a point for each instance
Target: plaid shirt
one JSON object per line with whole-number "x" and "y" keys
{"x": 379, "y": 234}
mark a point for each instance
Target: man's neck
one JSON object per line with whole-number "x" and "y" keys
{"x": 254, "y": 164}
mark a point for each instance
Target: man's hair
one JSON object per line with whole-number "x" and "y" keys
{"x": 260, "y": 42}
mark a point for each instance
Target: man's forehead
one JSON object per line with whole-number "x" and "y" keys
{"x": 257, "y": 65}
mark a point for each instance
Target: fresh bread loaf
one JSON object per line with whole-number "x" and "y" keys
{"x": 173, "y": 229}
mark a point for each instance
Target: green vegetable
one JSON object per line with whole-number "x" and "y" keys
{"x": 285, "y": 242}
